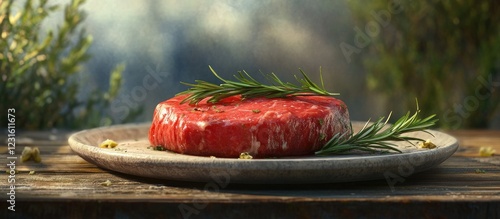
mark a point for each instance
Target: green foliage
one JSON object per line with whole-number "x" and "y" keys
{"x": 39, "y": 72}
{"x": 442, "y": 52}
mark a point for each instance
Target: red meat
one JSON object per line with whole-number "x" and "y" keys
{"x": 260, "y": 126}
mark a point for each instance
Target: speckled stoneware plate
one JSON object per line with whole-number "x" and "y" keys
{"x": 132, "y": 156}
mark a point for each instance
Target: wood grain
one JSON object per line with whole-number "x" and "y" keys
{"x": 65, "y": 185}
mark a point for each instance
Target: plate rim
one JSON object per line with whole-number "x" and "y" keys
{"x": 293, "y": 163}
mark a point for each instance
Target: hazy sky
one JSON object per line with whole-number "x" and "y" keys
{"x": 165, "y": 42}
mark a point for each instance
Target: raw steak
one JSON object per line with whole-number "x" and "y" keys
{"x": 260, "y": 126}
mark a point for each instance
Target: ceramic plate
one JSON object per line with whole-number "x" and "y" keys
{"x": 134, "y": 156}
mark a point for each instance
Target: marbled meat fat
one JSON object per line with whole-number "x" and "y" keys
{"x": 262, "y": 127}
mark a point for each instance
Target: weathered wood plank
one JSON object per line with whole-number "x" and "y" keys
{"x": 436, "y": 183}
{"x": 90, "y": 186}
{"x": 465, "y": 183}
{"x": 279, "y": 210}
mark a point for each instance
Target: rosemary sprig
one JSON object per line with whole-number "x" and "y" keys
{"x": 248, "y": 87}
{"x": 372, "y": 138}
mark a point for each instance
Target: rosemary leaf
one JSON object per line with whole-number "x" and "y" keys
{"x": 372, "y": 138}
{"x": 246, "y": 86}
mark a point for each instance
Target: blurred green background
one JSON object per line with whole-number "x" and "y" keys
{"x": 76, "y": 64}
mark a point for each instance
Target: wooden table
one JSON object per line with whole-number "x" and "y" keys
{"x": 66, "y": 186}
